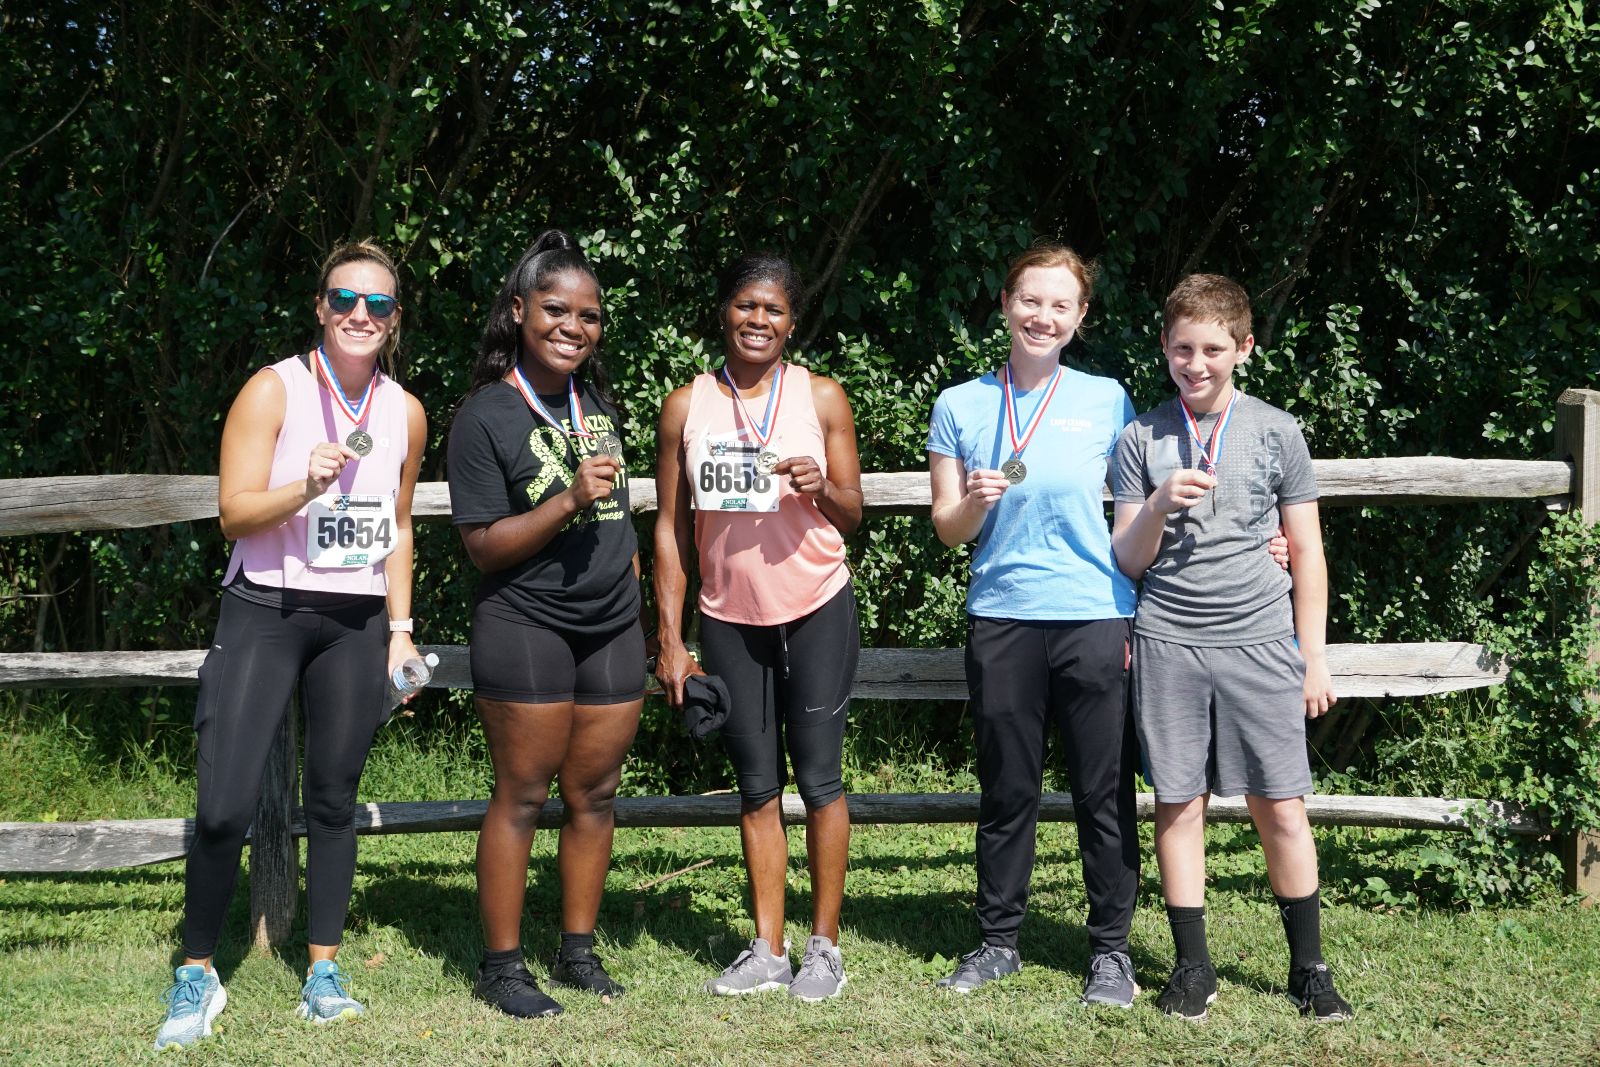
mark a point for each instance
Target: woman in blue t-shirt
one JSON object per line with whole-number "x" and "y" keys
{"x": 1018, "y": 460}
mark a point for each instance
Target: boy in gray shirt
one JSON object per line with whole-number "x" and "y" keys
{"x": 1229, "y": 654}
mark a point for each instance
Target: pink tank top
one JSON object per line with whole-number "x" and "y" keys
{"x": 277, "y": 557}
{"x": 759, "y": 567}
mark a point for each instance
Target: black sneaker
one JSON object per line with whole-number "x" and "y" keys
{"x": 1189, "y": 992}
{"x": 512, "y": 989}
{"x": 583, "y": 970}
{"x": 1312, "y": 989}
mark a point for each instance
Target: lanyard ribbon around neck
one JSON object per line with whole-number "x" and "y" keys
{"x": 356, "y": 412}
{"x": 763, "y": 430}
{"x": 579, "y": 427}
{"x": 1020, "y": 439}
{"x": 1210, "y": 453}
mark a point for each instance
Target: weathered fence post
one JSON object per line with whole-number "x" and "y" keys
{"x": 274, "y": 856}
{"x": 1578, "y": 439}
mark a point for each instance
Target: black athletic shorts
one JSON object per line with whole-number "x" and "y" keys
{"x": 519, "y": 660}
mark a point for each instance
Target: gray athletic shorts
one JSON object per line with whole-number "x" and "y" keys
{"x": 1228, "y": 721}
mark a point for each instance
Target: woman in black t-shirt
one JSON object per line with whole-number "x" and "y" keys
{"x": 539, "y": 493}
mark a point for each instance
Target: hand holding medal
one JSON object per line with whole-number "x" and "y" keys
{"x": 804, "y": 473}
{"x": 1185, "y": 488}
{"x": 987, "y": 486}
{"x": 324, "y": 466}
{"x": 594, "y": 479}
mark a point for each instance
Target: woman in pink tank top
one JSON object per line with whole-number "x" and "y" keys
{"x": 320, "y": 454}
{"x": 765, "y": 453}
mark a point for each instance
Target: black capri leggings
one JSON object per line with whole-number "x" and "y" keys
{"x": 338, "y": 654}
{"x": 790, "y": 688}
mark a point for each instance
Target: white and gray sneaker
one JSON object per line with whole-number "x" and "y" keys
{"x": 755, "y": 970}
{"x": 981, "y": 966}
{"x": 1110, "y": 981}
{"x": 821, "y": 972}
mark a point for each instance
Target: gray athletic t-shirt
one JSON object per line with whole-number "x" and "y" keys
{"x": 1213, "y": 582}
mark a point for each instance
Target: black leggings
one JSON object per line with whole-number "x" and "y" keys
{"x": 259, "y": 654}
{"x": 790, "y": 688}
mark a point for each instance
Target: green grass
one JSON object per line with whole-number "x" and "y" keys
{"x": 83, "y": 958}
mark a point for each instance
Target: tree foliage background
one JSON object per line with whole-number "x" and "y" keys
{"x": 1410, "y": 190}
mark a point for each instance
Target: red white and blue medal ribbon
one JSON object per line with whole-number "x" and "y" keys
{"x": 359, "y": 441}
{"x": 1210, "y": 453}
{"x": 766, "y": 458}
{"x": 579, "y": 427}
{"x": 1013, "y": 468}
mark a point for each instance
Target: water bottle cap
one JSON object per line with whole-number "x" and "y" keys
{"x": 431, "y": 659}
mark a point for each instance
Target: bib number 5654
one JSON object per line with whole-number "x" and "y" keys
{"x": 352, "y": 531}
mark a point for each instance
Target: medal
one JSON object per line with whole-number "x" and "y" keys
{"x": 1211, "y": 452}
{"x": 610, "y": 444}
{"x": 1014, "y": 469}
{"x": 766, "y": 458}
{"x": 358, "y": 441}
{"x": 579, "y": 427}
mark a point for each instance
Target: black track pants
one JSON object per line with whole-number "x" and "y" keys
{"x": 1023, "y": 675}
{"x": 258, "y": 656}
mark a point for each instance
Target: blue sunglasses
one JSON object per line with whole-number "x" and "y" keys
{"x": 343, "y": 301}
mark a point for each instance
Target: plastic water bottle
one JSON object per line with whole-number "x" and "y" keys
{"x": 412, "y": 675}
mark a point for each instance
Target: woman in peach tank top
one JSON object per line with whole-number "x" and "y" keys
{"x": 766, "y": 454}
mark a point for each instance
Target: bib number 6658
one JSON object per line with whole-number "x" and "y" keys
{"x": 726, "y": 477}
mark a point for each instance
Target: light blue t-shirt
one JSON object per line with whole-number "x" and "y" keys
{"x": 1044, "y": 553}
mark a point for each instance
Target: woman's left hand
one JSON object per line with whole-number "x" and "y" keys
{"x": 804, "y": 473}
{"x": 401, "y": 649}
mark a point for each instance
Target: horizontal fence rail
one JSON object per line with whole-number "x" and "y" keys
{"x": 128, "y": 501}
{"x": 94, "y": 846}
{"x": 1379, "y": 670}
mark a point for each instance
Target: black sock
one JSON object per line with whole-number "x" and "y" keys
{"x": 576, "y": 944}
{"x": 1189, "y": 934}
{"x": 1302, "y": 924}
{"x": 493, "y": 960}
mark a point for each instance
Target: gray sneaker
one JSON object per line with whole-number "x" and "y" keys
{"x": 755, "y": 970}
{"x": 821, "y": 972}
{"x": 1110, "y": 981}
{"x": 980, "y": 966}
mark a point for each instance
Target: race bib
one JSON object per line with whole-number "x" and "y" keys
{"x": 345, "y": 532}
{"x": 725, "y": 477}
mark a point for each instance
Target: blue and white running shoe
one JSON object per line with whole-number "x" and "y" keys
{"x": 324, "y": 998}
{"x": 195, "y": 998}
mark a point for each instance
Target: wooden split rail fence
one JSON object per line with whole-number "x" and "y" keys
{"x": 46, "y": 505}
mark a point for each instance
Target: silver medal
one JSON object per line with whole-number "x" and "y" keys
{"x": 609, "y": 444}
{"x": 766, "y": 461}
{"x": 359, "y": 442}
{"x": 1014, "y": 470}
